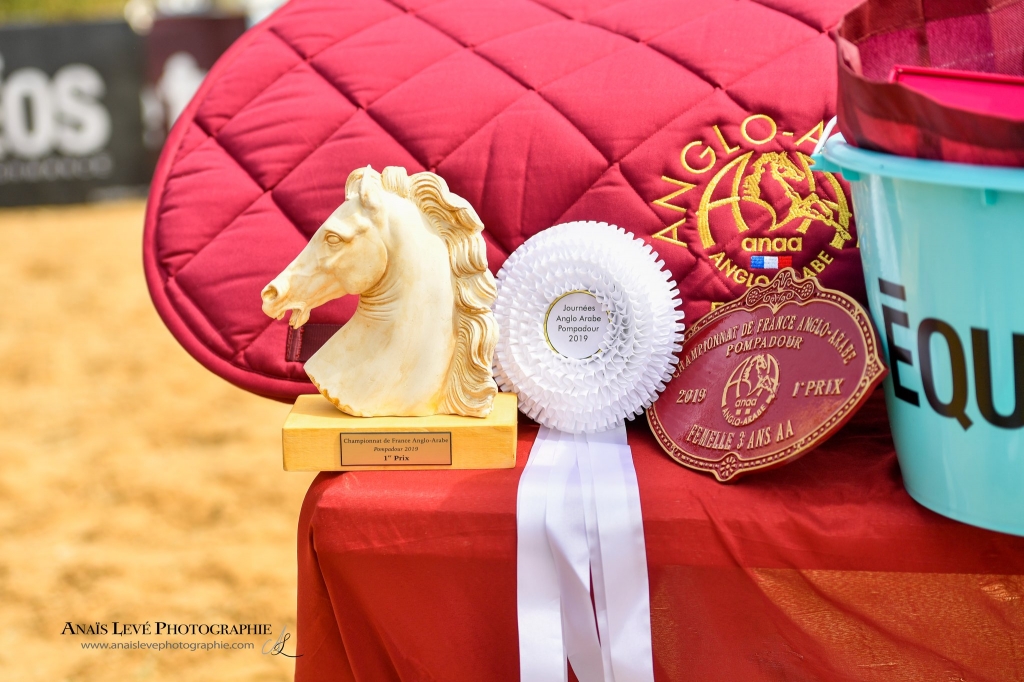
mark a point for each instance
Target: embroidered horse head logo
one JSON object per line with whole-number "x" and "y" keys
{"x": 792, "y": 180}
{"x": 422, "y": 337}
{"x": 806, "y": 208}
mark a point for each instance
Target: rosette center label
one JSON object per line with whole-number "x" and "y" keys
{"x": 575, "y": 325}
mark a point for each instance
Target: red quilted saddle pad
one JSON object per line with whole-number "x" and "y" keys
{"x": 687, "y": 122}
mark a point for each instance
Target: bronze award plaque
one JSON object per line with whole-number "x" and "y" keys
{"x": 765, "y": 379}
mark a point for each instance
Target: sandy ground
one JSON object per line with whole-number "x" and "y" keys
{"x": 134, "y": 484}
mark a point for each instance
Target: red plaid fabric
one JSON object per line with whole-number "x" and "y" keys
{"x": 978, "y": 35}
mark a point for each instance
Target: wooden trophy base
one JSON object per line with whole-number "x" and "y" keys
{"x": 318, "y": 437}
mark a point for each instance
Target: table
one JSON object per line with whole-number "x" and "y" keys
{"x": 822, "y": 570}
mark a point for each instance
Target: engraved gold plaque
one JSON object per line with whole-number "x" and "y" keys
{"x": 319, "y": 437}
{"x": 396, "y": 449}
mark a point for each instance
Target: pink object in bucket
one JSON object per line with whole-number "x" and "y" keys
{"x": 985, "y": 93}
{"x": 920, "y": 115}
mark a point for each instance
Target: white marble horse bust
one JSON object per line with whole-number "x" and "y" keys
{"x": 423, "y": 335}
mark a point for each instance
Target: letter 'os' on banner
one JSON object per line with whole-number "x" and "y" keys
{"x": 70, "y": 121}
{"x": 77, "y": 122}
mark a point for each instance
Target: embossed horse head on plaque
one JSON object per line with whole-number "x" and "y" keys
{"x": 423, "y": 335}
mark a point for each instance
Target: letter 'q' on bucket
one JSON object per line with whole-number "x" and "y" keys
{"x": 943, "y": 252}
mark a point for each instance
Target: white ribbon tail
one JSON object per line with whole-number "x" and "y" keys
{"x": 567, "y": 537}
{"x": 579, "y": 523}
{"x": 624, "y": 557}
{"x": 541, "y": 650}
{"x": 594, "y": 542}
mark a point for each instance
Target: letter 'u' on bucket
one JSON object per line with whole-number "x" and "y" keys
{"x": 941, "y": 245}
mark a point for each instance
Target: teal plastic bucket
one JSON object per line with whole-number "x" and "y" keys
{"x": 943, "y": 251}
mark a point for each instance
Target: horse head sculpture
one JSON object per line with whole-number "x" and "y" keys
{"x": 422, "y": 337}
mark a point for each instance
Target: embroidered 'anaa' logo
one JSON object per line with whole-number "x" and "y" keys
{"x": 759, "y": 208}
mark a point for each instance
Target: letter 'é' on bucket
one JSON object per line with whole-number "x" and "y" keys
{"x": 939, "y": 244}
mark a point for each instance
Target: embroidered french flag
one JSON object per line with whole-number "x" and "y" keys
{"x": 770, "y": 262}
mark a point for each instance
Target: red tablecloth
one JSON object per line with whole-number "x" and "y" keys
{"x": 821, "y": 570}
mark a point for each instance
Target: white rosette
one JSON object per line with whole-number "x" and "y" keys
{"x": 644, "y": 332}
{"x": 579, "y": 524}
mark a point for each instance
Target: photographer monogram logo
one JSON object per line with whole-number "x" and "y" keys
{"x": 756, "y": 208}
